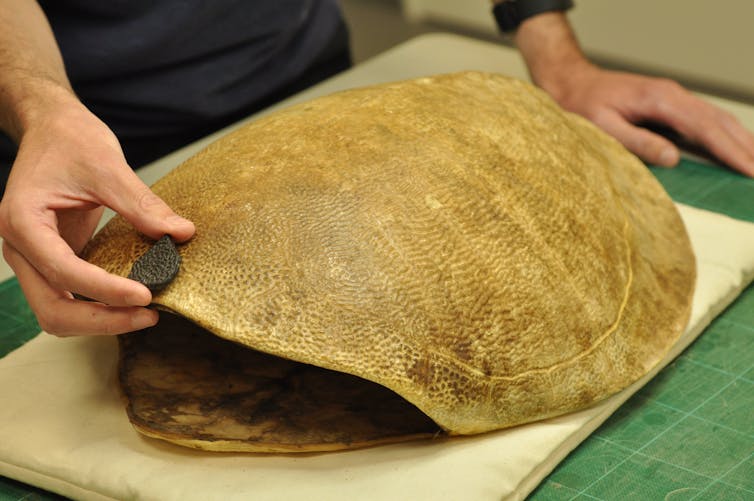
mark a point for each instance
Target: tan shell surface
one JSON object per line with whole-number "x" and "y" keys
{"x": 458, "y": 239}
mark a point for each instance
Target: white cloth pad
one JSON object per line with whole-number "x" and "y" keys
{"x": 63, "y": 426}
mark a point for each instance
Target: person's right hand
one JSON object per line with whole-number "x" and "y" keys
{"x": 69, "y": 166}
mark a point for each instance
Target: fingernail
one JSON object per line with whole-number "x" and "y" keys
{"x": 176, "y": 219}
{"x": 144, "y": 318}
{"x": 668, "y": 157}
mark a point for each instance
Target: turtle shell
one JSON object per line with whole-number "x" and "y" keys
{"x": 457, "y": 239}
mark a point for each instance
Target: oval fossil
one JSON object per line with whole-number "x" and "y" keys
{"x": 457, "y": 239}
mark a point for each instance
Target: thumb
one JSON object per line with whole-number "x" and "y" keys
{"x": 149, "y": 214}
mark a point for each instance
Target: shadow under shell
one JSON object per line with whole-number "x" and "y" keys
{"x": 187, "y": 386}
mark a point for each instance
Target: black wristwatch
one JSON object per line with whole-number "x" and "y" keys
{"x": 509, "y": 14}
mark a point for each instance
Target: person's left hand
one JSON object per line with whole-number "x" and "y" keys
{"x": 617, "y": 101}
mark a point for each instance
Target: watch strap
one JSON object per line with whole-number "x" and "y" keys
{"x": 509, "y": 14}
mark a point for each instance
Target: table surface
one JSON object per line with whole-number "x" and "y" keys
{"x": 688, "y": 434}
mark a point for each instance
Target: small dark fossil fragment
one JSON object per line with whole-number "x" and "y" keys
{"x": 157, "y": 267}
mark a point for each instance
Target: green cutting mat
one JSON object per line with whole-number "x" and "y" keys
{"x": 689, "y": 434}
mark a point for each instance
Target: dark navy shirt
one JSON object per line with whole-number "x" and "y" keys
{"x": 150, "y": 67}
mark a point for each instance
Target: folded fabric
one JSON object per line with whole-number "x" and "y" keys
{"x": 63, "y": 425}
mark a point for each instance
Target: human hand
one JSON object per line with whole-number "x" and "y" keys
{"x": 69, "y": 166}
{"x": 616, "y": 102}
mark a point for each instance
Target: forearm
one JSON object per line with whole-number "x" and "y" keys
{"x": 550, "y": 49}
{"x": 32, "y": 74}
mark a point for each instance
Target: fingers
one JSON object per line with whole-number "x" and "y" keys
{"x": 744, "y": 136}
{"x": 728, "y": 149}
{"x": 615, "y": 100}
{"x": 47, "y": 229}
{"x": 63, "y": 270}
{"x": 729, "y": 141}
{"x": 701, "y": 122}
{"x": 59, "y": 314}
{"x": 66, "y": 168}
{"x": 149, "y": 214}
{"x": 648, "y": 146}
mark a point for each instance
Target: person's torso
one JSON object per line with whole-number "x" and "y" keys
{"x": 159, "y": 65}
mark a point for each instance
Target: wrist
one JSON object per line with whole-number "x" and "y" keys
{"x": 31, "y": 100}
{"x": 551, "y": 51}
{"x": 559, "y": 77}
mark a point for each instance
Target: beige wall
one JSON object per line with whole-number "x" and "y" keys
{"x": 703, "y": 42}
